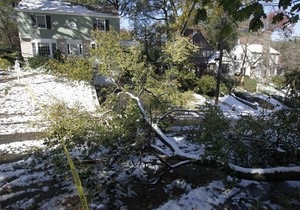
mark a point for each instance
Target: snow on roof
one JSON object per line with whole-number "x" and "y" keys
{"x": 61, "y": 6}
{"x": 258, "y": 48}
{"x": 255, "y": 48}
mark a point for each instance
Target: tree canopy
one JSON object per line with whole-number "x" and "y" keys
{"x": 8, "y": 27}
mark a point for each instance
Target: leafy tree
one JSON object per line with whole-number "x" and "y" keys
{"x": 180, "y": 50}
{"x": 222, "y": 34}
{"x": 289, "y": 49}
{"x": 289, "y": 67}
{"x": 8, "y": 27}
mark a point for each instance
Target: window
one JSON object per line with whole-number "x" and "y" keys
{"x": 44, "y": 47}
{"x": 80, "y": 49}
{"x": 41, "y": 21}
{"x": 101, "y": 24}
{"x": 74, "y": 48}
{"x": 225, "y": 68}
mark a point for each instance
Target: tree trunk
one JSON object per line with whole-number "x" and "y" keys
{"x": 219, "y": 74}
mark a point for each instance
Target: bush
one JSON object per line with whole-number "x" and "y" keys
{"x": 224, "y": 90}
{"x": 37, "y": 61}
{"x": 71, "y": 123}
{"x": 4, "y": 64}
{"x": 250, "y": 84}
{"x": 227, "y": 84}
{"x": 207, "y": 85}
{"x": 188, "y": 80}
{"x": 279, "y": 81}
{"x": 73, "y": 68}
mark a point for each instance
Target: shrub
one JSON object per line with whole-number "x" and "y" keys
{"x": 279, "y": 81}
{"x": 37, "y": 61}
{"x": 250, "y": 84}
{"x": 187, "y": 80}
{"x": 4, "y": 64}
{"x": 73, "y": 67}
{"x": 207, "y": 85}
{"x": 224, "y": 89}
{"x": 227, "y": 84}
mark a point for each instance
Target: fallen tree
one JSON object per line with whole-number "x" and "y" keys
{"x": 259, "y": 174}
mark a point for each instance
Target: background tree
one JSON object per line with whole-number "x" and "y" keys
{"x": 222, "y": 35}
{"x": 8, "y": 27}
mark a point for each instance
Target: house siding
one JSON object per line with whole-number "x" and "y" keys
{"x": 60, "y": 26}
{"x": 254, "y": 61}
{"x": 26, "y": 48}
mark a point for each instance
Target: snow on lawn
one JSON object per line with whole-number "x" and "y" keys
{"x": 23, "y": 101}
{"x": 233, "y": 108}
{"x": 21, "y": 146}
{"x": 201, "y": 198}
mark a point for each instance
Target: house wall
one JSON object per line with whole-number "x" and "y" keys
{"x": 60, "y": 26}
{"x": 60, "y": 32}
{"x": 254, "y": 61}
{"x": 26, "y": 48}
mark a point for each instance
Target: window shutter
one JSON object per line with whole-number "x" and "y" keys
{"x": 34, "y": 52}
{"x": 107, "y": 25}
{"x": 33, "y": 21}
{"x": 48, "y": 21}
{"x": 95, "y": 23}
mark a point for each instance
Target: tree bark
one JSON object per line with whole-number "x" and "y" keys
{"x": 219, "y": 74}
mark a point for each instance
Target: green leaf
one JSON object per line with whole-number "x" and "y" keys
{"x": 278, "y": 17}
{"x": 295, "y": 8}
{"x": 284, "y": 3}
{"x": 201, "y": 15}
{"x": 76, "y": 179}
{"x": 256, "y": 23}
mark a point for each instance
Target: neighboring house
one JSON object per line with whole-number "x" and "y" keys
{"x": 46, "y": 26}
{"x": 202, "y": 57}
{"x": 255, "y": 61}
{"x": 227, "y": 63}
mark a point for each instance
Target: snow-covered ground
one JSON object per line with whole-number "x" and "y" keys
{"x": 23, "y": 100}
{"x": 24, "y": 97}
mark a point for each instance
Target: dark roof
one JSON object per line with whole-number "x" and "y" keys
{"x": 199, "y": 40}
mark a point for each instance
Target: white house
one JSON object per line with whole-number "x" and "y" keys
{"x": 255, "y": 60}
{"x": 227, "y": 64}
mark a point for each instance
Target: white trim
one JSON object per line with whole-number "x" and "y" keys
{"x": 49, "y": 41}
{"x": 70, "y": 43}
{"x": 37, "y": 22}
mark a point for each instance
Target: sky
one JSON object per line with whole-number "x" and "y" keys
{"x": 297, "y": 29}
